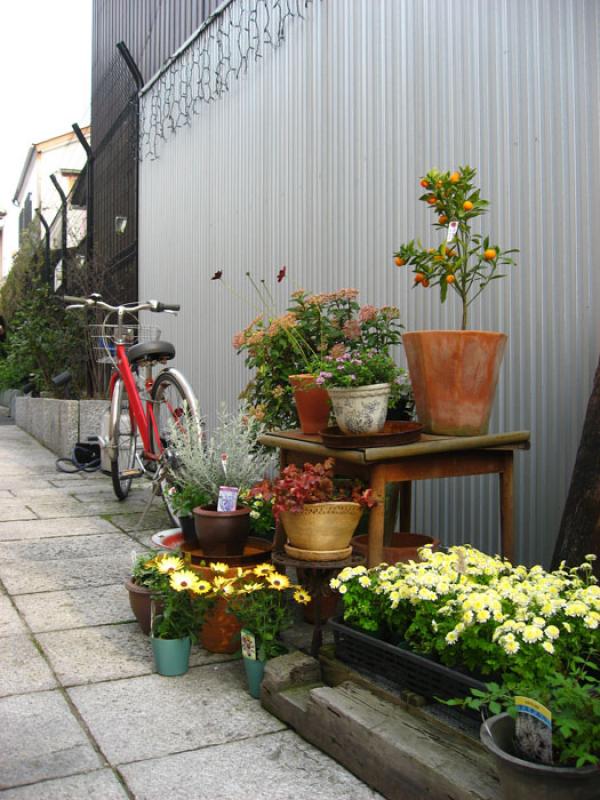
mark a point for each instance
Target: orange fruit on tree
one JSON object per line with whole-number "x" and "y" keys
{"x": 490, "y": 254}
{"x": 443, "y": 219}
{"x": 399, "y": 261}
{"x": 425, "y": 283}
{"x": 420, "y": 278}
{"x": 455, "y": 177}
{"x": 450, "y": 279}
{"x": 467, "y": 205}
{"x": 431, "y": 200}
{"x": 450, "y": 253}
{"x": 424, "y": 183}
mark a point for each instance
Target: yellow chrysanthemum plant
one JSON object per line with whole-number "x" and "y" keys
{"x": 180, "y": 598}
{"x": 526, "y": 630}
{"x": 262, "y": 599}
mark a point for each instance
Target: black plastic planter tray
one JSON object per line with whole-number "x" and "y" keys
{"x": 402, "y": 668}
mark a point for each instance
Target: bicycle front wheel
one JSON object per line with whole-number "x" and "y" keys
{"x": 123, "y": 437}
{"x": 175, "y": 412}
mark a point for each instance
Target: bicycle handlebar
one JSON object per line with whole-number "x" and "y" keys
{"x": 96, "y": 300}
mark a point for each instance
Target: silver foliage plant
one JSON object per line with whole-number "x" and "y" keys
{"x": 231, "y": 456}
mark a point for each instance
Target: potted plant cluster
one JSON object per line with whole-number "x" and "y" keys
{"x": 184, "y": 599}
{"x": 319, "y": 512}
{"x": 477, "y": 615}
{"x": 145, "y": 577}
{"x": 183, "y": 498}
{"x": 454, "y": 373}
{"x": 261, "y": 599}
{"x": 228, "y": 462}
{"x": 285, "y": 351}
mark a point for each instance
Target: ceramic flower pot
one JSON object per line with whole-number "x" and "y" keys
{"x": 312, "y": 403}
{"x": 360, "y": 409}
{"x": 402, "y": 546}
{"x": 454, "y": 376}
{"x": 221, "y": 533}
{"x": 321, "y": 528}
{"x": 188, "y": 529}
{"x": 255, "y": 671}
{"x": 171, "y": 656}
{"x": 140, "y": 602}
{"x": 525, "y": 780}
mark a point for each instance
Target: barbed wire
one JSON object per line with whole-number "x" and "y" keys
{"x": 204, "y": 71}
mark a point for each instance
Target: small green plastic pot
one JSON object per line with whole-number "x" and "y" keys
{"x": 255, "y": 671}
{"x": 171, "y": 656}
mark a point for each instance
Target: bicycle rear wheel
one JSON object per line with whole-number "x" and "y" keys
{"x": 175, "y": 409}
{"x": 123, "y": 437}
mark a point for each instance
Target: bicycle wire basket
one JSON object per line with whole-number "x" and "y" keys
{"x": 103, "y": 339}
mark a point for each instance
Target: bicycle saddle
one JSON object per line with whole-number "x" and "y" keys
{"x": 150, "y": 350}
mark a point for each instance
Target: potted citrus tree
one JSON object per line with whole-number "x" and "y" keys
{"x": 454, "y": 373}
{"x": 319, "y": 513}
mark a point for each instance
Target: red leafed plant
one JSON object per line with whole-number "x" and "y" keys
{"x": 314, "y": 483}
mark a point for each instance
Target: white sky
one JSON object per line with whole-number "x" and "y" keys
{"x": 45, "y": 76}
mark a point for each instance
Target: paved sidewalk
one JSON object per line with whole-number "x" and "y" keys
{"x": 82, "y": 715}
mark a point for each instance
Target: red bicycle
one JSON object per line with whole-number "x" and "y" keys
{"x": 143, "y": 406}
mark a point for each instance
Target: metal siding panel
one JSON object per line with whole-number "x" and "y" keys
{"x": 312, "y": 160}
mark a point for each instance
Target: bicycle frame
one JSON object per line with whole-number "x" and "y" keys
{"x": 143, "y": 418}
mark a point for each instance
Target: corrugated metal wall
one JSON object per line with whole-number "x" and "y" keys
{"x": 312, "y": 160}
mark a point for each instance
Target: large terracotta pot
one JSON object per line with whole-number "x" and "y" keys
{"x": 221, "y": 533}
{"x": 524, "y": 780}
{"x": 220, "y": 631}
{"x": 454, "y": 376}
{"x": 312, "y": 403}
{"x": 321, "y": 527}
{"x": 402, "y": 547}
{"x": 360, "y": 409}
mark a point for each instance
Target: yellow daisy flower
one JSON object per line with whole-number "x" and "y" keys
{"x": 169, "y": 564}
{"x": 183, "y": 581}
{"x": 202, "y": 587}
{"x": 302, "y": 596}
{"x": 219, "y": 567}
{"x": 277, "y": 581}
{"x": 262, "y": 570}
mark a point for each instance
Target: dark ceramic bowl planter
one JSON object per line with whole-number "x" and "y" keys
{"x": 525, "y": 780}
{"x": 188, "y": 529}
{"x": 221, "y": 533}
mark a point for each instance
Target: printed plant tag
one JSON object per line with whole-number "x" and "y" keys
{"x": 533, "y": 730}
{"x": 248, "y": 644}
{"x": 228, "y": 496}
{"x": 452, "y": 228}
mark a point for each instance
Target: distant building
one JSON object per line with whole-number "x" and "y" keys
{"x": 61, "y": 156}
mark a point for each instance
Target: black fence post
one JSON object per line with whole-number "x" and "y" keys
{"x": 89, "y": 223}
{"x": 63, "y": 238}
{"x": 46, "y": 271}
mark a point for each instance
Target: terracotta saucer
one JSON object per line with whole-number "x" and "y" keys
{"x": 318, "y": 555}
{"x": 394, "y": 433}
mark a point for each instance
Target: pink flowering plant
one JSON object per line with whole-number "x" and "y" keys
{"x": 356, "y": 367}
{"x": 277, "y": 346}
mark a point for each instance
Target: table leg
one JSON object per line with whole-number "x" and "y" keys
{"x": 377, "y": 515}
{"x": 405, "y": 505}
{"x": 507, "y": 544}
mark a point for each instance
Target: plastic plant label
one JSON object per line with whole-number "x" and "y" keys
{"x": 452, "y": 228}
{"x": 248, "y": 644}
{"x": 533, "y": 730}
{"x": 228, "y": 496}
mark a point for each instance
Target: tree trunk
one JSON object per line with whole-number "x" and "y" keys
{"x": 580, "y": 526}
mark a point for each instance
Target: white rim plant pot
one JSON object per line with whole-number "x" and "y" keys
{"x": 362, "y": 409}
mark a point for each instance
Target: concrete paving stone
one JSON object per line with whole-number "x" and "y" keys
{"x": 145, "y": 539}
{"x": 70, "y": 507}
{"x": 77, "y": 608}
{"x": 102, "y": 784}
{"x": 89, "y": 655}
{"x": 280, "y": 766}
{"x": 22, "y": 667}
{"x": 41, "y": 739}
{"x": 10, "y": 622}
{"x": 26, "y": 577}
{"x": 15, "y": 485}
{"x": 105, "y": 653}
{"x": 65, "y": 547}
{"x": 5, "y": 494}
{"x": 10, "y": 512}
{"x": 152, "y": 716}
{"x": 156, "y": 519}
{"x": 23, "y": 530}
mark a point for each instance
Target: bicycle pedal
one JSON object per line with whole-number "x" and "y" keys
{"x": 131, "y": 473}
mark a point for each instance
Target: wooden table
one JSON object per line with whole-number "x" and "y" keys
{"x": 431, "y": 457}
